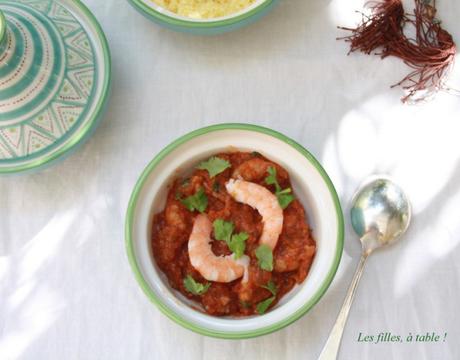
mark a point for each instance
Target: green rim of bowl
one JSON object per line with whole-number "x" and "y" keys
{"x": 86, "y": 131}
{"x": 157, "y": 301}
{"x": 2, "y": 26}
{"x": 198, "y": 24}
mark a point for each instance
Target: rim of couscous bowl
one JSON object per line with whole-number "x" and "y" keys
{"x": 199, "y": 328}
{"x": 172, "y": 19}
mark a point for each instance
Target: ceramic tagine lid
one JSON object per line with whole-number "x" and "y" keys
{"x": 54, "y": 80}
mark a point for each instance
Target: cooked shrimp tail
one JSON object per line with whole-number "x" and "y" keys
{"x": 266, "y": 204}
{"x": 213, "y": 268}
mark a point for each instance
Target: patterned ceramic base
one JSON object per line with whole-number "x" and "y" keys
{"x": 54, "y": 78}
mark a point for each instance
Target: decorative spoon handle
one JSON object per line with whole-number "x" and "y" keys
{"x": 331, "y": 348}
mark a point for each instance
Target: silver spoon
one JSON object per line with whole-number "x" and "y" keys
{"x": 380, "y": 214}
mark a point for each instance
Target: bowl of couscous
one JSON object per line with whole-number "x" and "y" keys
{"x": 203, "y": 16}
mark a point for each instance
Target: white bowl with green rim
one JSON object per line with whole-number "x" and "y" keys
{"x": 55, "y": 73}
{"x": 311, "y": 185}
{"x": 211, "y": 26}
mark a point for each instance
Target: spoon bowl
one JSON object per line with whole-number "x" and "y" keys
{"x": 380, "y": 213}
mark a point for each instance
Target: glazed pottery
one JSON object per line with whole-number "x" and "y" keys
{"x": 54, "y": 80}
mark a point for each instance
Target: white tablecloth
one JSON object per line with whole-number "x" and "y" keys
{"x": 66, "y": 289}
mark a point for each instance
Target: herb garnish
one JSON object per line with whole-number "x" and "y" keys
{"x": 264, "y": 305}
{"x": 265, "y": 256}
{"x": 195, "y": 287}
{"x": 271, "y": 286}
{"x": 284, "y": 196}
{"x": 199, "y": 201}
{"x": 237, "y": 244}
{"x": 214, "y": 166}
{"x": 223, "y": 230}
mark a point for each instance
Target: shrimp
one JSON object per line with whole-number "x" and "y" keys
{"x": 213, "y": 268}
{"x": 266, "y": 204}
{"x": 256, "y": 169}
{"x": 175, "y": 216}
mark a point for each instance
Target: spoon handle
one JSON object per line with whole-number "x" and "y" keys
{"x": 331, "y": 348}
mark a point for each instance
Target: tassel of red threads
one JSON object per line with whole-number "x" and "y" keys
{"x": 431, "y": 54}
{"x": 384, "y": 26}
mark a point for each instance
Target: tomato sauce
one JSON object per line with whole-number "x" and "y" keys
{"x": 292, "y": 256}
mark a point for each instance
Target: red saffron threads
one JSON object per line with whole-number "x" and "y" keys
{"x": 430, "y": 54}
{"x": 384, "y": 25}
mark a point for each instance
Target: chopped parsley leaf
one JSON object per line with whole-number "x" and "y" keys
{"x": 214, "y": 166}
{"x": 199, "y": 201}
{"x": 223, "y": 230}
{"x": 194, "y": 287}
{"x": 264, "y": 305}
{"x": 265, "y": 256}
{"x": 271, "y": 286}
{"x": 237, "y": 244}
{"x": 284, "y": 196}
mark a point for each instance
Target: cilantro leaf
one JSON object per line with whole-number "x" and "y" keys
{"x": 263, "y": 305}
{"x": 214, "y": 166}
{"x": 237, "y": 244}
{"x": 265, "y": 256}
{"x": 195, "y": 287}
{"x": 271, "y": 286}
{"x": 199, "y": 201}
{"x": 284, "y": 196}
{"x": 271, "y": 178}
{"x": 223, "y": 230}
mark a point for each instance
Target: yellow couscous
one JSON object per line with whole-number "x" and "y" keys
{"x": 204, "y": 9}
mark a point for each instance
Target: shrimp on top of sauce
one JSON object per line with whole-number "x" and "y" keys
{"x": 213, "y": 268}
{"x": 226, "y": 269}
{"x": 266, "y": 204}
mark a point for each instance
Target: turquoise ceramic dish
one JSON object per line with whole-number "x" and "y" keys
{"x": 55, "y": 74}
{"x": 175, "y": 22}
{"x": 312, "y": 186}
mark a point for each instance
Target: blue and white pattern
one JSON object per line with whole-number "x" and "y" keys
{"x": 47, "y": 78}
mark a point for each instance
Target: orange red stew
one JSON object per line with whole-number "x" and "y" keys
{"x": 205, "y": 192}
